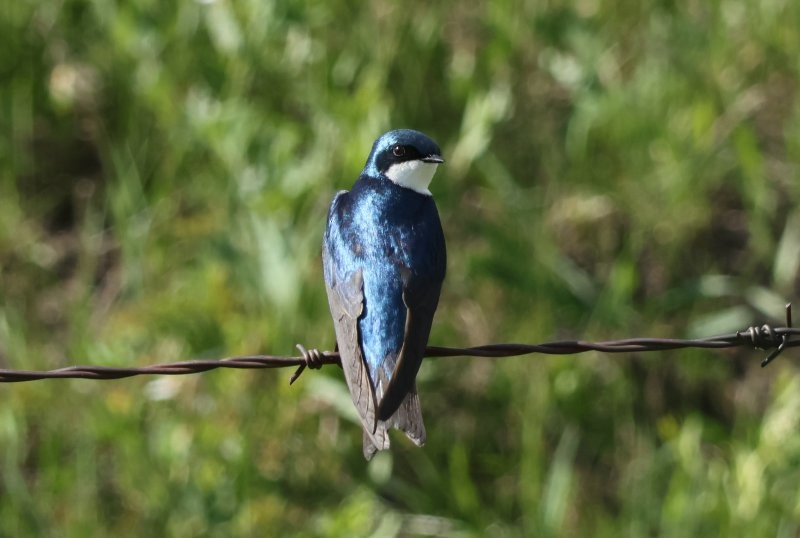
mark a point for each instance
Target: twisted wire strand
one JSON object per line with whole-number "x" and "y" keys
{"x": 764, "y": 337}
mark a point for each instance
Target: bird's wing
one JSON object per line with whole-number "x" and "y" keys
{"x": 346, "y": 300}
{"x": 421, "y": 296}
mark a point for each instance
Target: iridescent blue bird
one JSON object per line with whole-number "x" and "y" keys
{"x": 384, "y": 260}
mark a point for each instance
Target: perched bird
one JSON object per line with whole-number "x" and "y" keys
{"x": 384, "y": 261}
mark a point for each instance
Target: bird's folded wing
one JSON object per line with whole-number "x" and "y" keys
{"x": 421, "y": 296}
{"x": 346, "y": 300}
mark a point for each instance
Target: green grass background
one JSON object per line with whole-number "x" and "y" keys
{"x": 614, "y": 169}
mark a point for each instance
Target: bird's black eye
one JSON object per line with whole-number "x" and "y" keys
{"x": 398, "y": 150}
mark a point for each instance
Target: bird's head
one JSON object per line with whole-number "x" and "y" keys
{"x": 408, "y": 158}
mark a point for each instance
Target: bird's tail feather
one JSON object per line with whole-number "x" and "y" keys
{"x": 407, "y": 418}
{"x": 376, "y": 441}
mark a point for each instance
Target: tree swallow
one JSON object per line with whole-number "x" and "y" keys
{"x": 384, "y": 261}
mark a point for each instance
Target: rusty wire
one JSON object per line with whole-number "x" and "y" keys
{"x": 764, "y": 337}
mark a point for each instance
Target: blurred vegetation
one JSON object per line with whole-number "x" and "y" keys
{"x": 614, "y": 169}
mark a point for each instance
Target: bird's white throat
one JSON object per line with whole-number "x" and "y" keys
{"x": 415, "y": 175}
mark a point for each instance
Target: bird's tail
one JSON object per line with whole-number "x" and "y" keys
{"x": 407, "y": 418}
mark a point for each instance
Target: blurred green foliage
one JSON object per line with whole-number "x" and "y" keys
{"x": 614, "y": 169}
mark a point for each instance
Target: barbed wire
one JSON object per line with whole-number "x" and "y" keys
{"x": 764, "y": 337}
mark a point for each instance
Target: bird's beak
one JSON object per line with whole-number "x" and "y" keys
{"x": 437, "y": 159}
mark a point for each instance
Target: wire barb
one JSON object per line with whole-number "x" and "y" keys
{"x": 763, "y": 337}
{"x": 784, "y": 338}
{"x": 312, "y": 358}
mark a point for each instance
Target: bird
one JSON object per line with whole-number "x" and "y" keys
{"x": 384, "y": 262}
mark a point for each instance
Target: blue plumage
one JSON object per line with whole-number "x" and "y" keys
{"x": 384, "y": 262}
